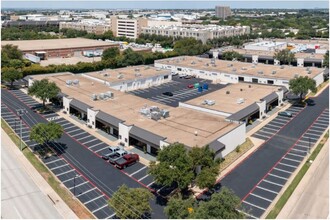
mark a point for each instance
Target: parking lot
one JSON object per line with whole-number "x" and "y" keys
{"x": 263, "y": 194}
{"x": 276, "y": 124}
{"x": 179, "y": 88}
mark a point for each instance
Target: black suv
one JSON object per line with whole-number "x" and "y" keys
{"x": 168, "y": 93}
{"x": 299, "y": 104}
{"x": 310, "y": 102}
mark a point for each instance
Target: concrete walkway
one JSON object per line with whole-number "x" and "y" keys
{"x": 310, "y": 200}
{"x": 61, "y": 207}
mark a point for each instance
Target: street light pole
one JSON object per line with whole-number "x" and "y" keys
{"x": 74, "y": 185}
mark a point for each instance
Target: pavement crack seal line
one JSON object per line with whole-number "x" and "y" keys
{"x": 152, "y": 190}
{"x": 249, "y": 155}
{"x": 289, "y": 150}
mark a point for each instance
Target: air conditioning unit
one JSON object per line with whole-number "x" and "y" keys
{"x": 260, "y": 72}
{"x": 282, "y": 67}
{"x": 240, "y": 101}
{"x": 274, "y": 72}
{"x": 94, "y": 97}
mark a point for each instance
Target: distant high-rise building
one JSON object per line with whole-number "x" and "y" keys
{"x": 222, "y": 11}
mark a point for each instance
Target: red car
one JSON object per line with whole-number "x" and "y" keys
{"x": 126, "y": 160}
{"x": 190, "y": 86}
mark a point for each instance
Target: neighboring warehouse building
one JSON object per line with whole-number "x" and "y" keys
{"x": 69, "y": 47}
{"x": 234, "y": 71}
{"x": 222, "y": 12}
{"x": 199, "y": 32}
{"x": 35, "y": 24}
{"x": 94, "y": 26}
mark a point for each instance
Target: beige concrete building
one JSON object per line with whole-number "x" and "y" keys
{"x": 90, "y": 25}
{"x": 130, "y": 28}
{"x": 222, "y": 11}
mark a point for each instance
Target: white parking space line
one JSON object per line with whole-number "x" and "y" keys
{"x": 53, "y": 161}
{"x": 296, "y": 155}
{"x": 69, "y": 132}
{"x": 90, "y": 141}
{"x": 100, "y": 208}
{"x": 68, "y": 123}
{"x": 320, "y": 127}
{"x": 64, "y": 165}
{"x": 95, "y": 145}
{"x": 285, "y": 158}
{"x": 254, "y": 205}
{"x": 79, "y": 134}
{"x": 323, "y": 120}
{"x": 299, "y": 150}
{"x": 304, "y": 146}
{"x": 281, "y": 119}
{"x": 321, "y": 123}
{"x": 288, "y": 165}
{"x": 284, "y": 171}
{"x": 277, "y": 184}
{"x": 87, "y": 136}
{"x": 64, "y": 173}
{"x": 144, "y": 177}
{"x": 138, "y": 171}
{"x": 267, "y": 190}
{"x": 93, "y": 199}
{"x": 79, "y": 185}
{"x": 111, "y": 216}
{"x": 280, "y": 177}
{"x": 316, "y": 131}
{"x": 86, "y": 192}
{"x": 268, "y": 200}
{"x": 71, "y": 179}
{"x": 311, "y": 134}
{"x": 101, "y": 149}
{"x": 271, "y": 133}
{"x": 160, "y": 189}
{"x": 277, "y": 122}
{"x": 258, "y": 134}
{"x": 32, "y": 145}
{"x": 150, "y": 184}
{"x": 273, "y": 129}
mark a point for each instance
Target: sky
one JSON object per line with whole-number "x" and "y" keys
{"x": 165, "y": 4}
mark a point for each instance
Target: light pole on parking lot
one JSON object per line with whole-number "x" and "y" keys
{"x": 20, "y": 112}
{"x": 309, "y": 145}
{"x": 74, "y": 184}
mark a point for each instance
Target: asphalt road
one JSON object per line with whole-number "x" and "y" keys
{"x": 20, "y": 196}
{"x": 103, "y": 175}
{"x": 243, "y": 178}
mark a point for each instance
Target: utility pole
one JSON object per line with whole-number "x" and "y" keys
{"x": 21, "y": 112}
{"x": 74, "y": 184}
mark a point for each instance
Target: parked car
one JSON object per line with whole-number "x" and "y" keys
{"x": 310, "y": 102}
{"x": 299, "y": 104}
{"x": 113, "y": 149}
{"x": 126, "y": 160}
{"x": 182, "y": 75}
{"x": 117, "y": 155}
{"x": 188, "y": 77}
{"x": 285, "y": 114}
{"x": 168, "y": 93}
{"x": 190, "y": 86}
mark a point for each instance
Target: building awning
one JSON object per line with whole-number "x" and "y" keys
{"x": 217, "y": 146}
{"x": 270, "y": 98}
{"x": 251, "y": 109}
{"x": 79, "y": 105}
{"x": 108, "y": 118}
{"x": 146, "y": 135}
{"x": 40, "y": 52}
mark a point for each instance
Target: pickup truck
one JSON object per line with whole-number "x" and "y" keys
{"x": 127, "y": 160}
{"x": 112, "y": 149}
{"x": 119, "y": 154}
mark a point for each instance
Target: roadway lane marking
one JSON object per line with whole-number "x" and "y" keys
{"x": 151, "y": 183}
{"x": 71, "y": 179}
{"x": 84, "y": 137}
{"x": 65, "y": 172}
{"x": 93, "y": 199}
{"x": 280, "y": 177}
{"x": 101, "y": 149}
{"x": 261, "y": 197}
{"x": 32, "y": 145}
{"x": 54, "y": 168}
{"x": 268, "y": 190}
{"x": 99, "y": 208}
{"x": 288, "y": 165}
{"x": 90, "y": 141}
{"x": 144, "y": 177}
{"x": 138, "y": 171}
{"x": 74, "y": 131}
{"x": 53, "y": 161}
{"x": 277, "y": 184}
{"x": 86, "y": 191}
{"x": 254, "y": 205}
{"x": 296, "y": 155}
{"x": 285, "y": 158}
{"x": 79, "y": 185}
{"x": 95, "y": 145}
{"x": 284, "y": 171}
{"x": 79, "y": 134}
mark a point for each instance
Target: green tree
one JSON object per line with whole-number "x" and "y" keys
{"x": 10, "y": 75}
{"x": 223, "y": 205}
{"x": 285, "y": 56}
{"x": 207, "y": 177}
{"x": 43, "y": 89}
{"x": 230, "y": 55}
{"x": 110, "y": 53}
{"x": 175, "y": 166}
{"x": 43, "y": 133}
{"x": 177, "y": 208}
{"x": 301, "y": 85}
{"x": 326, "y": 59}
{"x": 131, "y": 203}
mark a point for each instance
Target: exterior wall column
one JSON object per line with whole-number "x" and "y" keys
{"x": 215, "y": 54}
{"x": 66, "y": 104}
{"x": 300, "y": 62}
{"x": 91, "y": 117}
{"x": 124, "y": 133}
{"x": 276, "y": 62}
{"x": 262, "y": 108}
{"x": 255, "y": 59}
{"x": 148, "y": 148}
{"x": 280, "y": 95}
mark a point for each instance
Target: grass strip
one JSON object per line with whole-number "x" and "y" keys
{"x": 74, "y": 205}
{"x": 288, "y": 192}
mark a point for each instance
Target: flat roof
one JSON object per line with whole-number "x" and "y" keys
{"x": 228, "y": 103}
{"x": 128, "y": 73}
{"x": 179, "y": 127}
{"x": 241, "y": 68}
{"x": 266, "y": 43}
{"x": 50, "y": 44}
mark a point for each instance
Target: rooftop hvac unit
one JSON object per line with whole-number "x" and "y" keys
{"x": 75, "y": 81}
{"x": 274, "y": 72}
{"x": 155, "y": 116}
{"x": 253, "y": 66}
{"x": 229, "y": 65}
{"x": 154, "y": 109}
{"x": 137, "y": 70}
{"x": 260, "y": 72}
{"x": 94, "y": 97}
{"x": 69, "y": 82}
{"x": 120, "y": 76}
{"x": 209, "y": 102}
{"x": 309, "y": 71}
{"x": 307, "y": 68}
{"x": 296, "y": 75}
{"x": 165, "y": 113}
{"x": 102, "y": 96}
{"x": 240, "y": 101}
{"x": 105, "y": 74}
{"x": 243, "y": 68}
{"x": 109, "y": 94}
{"x": 138, "y": 74}
{"x": 193, "y": 62}
{"x": 206, "y": 64}
{"x": 282, "y": 67}
{"x": 234, "y": 69}
{"x": 213, "y": 61}
{"x": 214, "y": 65}
{"x": 147, "y": 67}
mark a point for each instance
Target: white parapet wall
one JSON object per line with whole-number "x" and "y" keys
{"x": 201, "y": 109}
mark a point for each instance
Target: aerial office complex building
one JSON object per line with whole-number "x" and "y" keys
{"x": 222, "y": 11}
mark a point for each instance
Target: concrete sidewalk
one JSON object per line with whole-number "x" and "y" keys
{"x": 59, "y": 204}
{"x": 310, "y": 200}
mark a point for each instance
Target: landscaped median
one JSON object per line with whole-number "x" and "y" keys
{"x": 74, "y": 205}
{"x": 288, "y": 192}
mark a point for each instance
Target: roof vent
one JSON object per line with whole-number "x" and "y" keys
{"x": 274, "y": 72}
{"x": 282, "y": 67}
{"x": 234, "y": 69}
{"x": 94, "y": 97}
{"x": 69, "y": 82}
{"x": 260, "y": 72}
{"x": 229, "y": 65}
{"x": 250, "y": 86}
{"x": 193, "y": 62}
{"x": 120, "y": 76}
{"x": 309, "y": 71}
{"x": 105, "y": 74}
{"x": 241, "y": 90}
{"x": 243, "y": 68}
{"x": 240, "y": 101}
{"x": 227, "y": 92}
